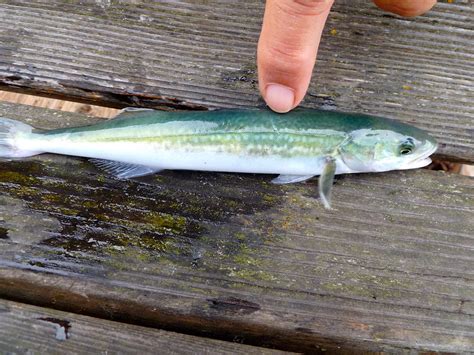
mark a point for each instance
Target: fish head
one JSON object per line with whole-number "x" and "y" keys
{"x": 395, "y": 146}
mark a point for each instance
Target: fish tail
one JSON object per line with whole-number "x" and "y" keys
{"x": 12, "y": 139}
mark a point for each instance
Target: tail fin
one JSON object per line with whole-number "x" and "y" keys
{"x": 11, "y": 134}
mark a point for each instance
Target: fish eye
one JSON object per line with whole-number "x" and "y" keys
{"x": 405, "y": 151}
{"x": 406, "y": 147}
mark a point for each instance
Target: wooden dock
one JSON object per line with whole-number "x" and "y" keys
{"x": 192, "y": 262}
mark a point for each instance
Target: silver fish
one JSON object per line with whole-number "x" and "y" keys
{"x": 297, "y": 146}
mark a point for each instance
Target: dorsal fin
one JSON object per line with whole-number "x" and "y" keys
{"x": 128, "y": 112}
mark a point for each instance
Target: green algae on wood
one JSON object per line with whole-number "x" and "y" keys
{"x": 98, "y": 217}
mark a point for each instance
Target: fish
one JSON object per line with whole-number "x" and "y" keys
{"x": 297, "y": 145}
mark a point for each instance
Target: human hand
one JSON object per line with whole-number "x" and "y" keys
{"x": 289, "y": 43}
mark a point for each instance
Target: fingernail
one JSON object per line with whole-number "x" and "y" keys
{"x": 279, "y": 98}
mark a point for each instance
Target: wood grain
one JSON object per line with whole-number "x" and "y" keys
{"x": 33, "y": 330}
{"x": 201, "y": 54}
{"x": 54, "y": 104}
{"x": 231, "y": 255}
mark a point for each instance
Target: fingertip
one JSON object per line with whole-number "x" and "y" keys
{"x": 287, "y": 49}
{"x": 407, "y": 8}
{"x": 279, "y": 98}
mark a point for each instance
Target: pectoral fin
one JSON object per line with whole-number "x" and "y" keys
{"x": 289, "y": 179}
{"x": 123, "y": 170}
{"x": 326, "y": 180}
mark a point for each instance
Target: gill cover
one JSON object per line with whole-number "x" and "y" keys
{"x": 370, "y": 150}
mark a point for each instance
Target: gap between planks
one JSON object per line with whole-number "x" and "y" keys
{"x": 55, "y": 104}
{"x": 30, "y": 329}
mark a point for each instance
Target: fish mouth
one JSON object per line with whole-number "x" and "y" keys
{"x": 422, "y": 160}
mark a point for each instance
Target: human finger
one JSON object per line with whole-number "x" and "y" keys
{"x": 408, "y": 8}
{"x": 287, "y": 49}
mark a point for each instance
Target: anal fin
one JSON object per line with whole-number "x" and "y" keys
{"x": 123, "y": 170}
{"x": 326, "y": 180}
{"x": 289, "y": 179}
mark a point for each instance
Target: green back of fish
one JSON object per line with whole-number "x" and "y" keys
{"x": 255, "y": 132}
{"x": 240, "y": 120}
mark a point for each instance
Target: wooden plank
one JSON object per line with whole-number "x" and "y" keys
{"x": 195, "y": 55}
{"x": 236, "y": 257}
{"x": 33, "y": 330}
{"x": 69, "y": 106}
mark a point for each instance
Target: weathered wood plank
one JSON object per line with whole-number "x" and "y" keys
{"x": 26, "y": 329}
{"x": 195, "y": 55}
{"x": 236, "y": 257}
{"x": 54, "y": 104}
